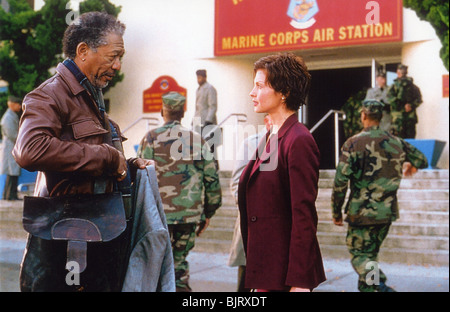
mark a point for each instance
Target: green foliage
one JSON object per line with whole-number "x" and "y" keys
{"x": 99, "y": 5}
{"x": 31, "y": 42}
{"x": 436, "y": 13}
{"x": 352, "y": 122}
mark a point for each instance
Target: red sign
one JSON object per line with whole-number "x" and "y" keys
{"x": 162, "y": 85}
{"x": 255, "y": 26}
{"x": 445, "y": 86}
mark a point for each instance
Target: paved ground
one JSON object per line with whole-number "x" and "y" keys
{"x": 209, "y": 273}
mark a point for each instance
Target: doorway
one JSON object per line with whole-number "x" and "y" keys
{"x": 330, "y": 89}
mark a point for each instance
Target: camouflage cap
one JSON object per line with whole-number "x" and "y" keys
{"x": 173, "y": 101}
{"x": 402, "y": 67}
{"x": 372, "y": 106}
{"x": 381, "y": 74}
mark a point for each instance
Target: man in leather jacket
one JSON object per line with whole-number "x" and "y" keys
{"x": 66, "y": 135}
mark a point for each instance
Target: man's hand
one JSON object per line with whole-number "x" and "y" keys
{"x": 408, "y": 108}
{"x": 121, "y": 172}
{"x": 202, "y": 227}
{"x": 408, "y": 169}
{"x": 338, "y": 222}
{"x": 141, "y": 163}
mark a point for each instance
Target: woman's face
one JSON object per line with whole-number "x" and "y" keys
{"x": 265, "y": 99}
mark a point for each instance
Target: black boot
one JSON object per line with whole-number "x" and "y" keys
{"x": 384, "y": 288}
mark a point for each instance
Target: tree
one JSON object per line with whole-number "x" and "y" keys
{"x": 436, "y": 13}
{"x": 31, "y": 42}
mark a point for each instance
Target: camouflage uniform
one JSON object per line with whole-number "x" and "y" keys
{"x": 352, "y": 122}
{"x": 404, "y": 91}
{"x": 372, "y": 161}
{"x": 188, "y": 184}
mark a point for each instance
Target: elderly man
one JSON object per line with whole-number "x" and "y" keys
{"x": 372, "y": 162}
{"x": 66, "y": 135}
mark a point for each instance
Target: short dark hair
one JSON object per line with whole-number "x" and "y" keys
{"x": 287, "y": 74}
{"x": 373, "y": 109}
{"x": 173, "y": 114}
{"x": 201, "y": 72}
{"x": 91, "y": 28}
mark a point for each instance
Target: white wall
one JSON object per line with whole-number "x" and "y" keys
{"x": 175, "y": 38}
{"x": 421, "y": 53}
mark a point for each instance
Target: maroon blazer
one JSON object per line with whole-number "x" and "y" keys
{"x": 277, "y": 194}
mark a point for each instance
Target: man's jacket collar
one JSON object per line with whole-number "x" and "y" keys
{"x": 69, "y": 79}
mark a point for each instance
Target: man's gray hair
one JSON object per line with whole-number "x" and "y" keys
{"x": 91, "y": 28}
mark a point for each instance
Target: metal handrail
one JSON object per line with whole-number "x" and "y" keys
{"x": 149, "y": 123}
{"x": 336, "y": 114}
{"x": 244, "y": 119}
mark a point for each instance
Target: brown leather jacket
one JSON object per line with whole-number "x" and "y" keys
{"x": 61, "y": 135}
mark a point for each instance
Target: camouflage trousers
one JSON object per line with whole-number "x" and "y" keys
{"x": 403, "y": 125}
{"x": 364, "y": 243}
{"x": 182, "y": 237}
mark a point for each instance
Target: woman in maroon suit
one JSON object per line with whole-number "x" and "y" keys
{"x": 278, "y": 189}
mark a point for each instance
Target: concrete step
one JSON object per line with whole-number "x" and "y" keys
{"x": 403, "y": 194}
{"x": 227, "y": 211}
{"x": 212, "y": 245}
{"x": 397, "y": 228}
{"x": 425, "y": 256}
{"x": 404, "y": 205}
{"x": 222, "y": 229}
{"x": 421, "y": 174}
{"x": 418, "y": 242}
{"x": 394, "y": 255}
{"x": 435, "y": 184}
{"x": 407, "y": 216}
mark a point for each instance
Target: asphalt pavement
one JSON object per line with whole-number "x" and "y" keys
{"x": 210, "y": 273}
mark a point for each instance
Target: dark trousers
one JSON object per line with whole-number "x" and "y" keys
{"x": 43, "y": 268}
{"x": 10, "y": 190}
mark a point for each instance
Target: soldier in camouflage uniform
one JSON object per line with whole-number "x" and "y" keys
{"x": 372, "y": 162}
{"x": 352, "y": 122}
{"x": 404, "y": 97}
{"x": 188, "y": 181}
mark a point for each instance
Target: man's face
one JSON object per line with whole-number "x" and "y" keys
{"x": 201, "y": 80}
{"x": 381, "y": 81}
{"x": 102, "y": 64}
{"x": 400, "y": 73}
{"x": 14, "y": 106}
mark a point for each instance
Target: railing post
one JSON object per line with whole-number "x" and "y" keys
{"x": 336, "y": 138}
{"x": 336, "y": 130}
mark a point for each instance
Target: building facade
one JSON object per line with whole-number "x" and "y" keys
{"x": 175, "y": 38}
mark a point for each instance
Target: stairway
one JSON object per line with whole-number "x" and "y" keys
{"x": 420, "y": 236}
